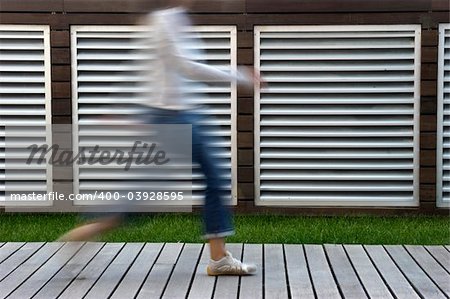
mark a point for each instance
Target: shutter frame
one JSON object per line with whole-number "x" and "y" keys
{"x": 39, "y": 181}
{"x": 442, "y": 201}
{"x": 415, "y": 123}
{"x": 230, "y": 30}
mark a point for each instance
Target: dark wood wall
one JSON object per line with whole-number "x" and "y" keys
{"x": 61, "y": 14}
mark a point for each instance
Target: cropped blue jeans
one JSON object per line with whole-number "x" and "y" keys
{"x": 217, "y": 221}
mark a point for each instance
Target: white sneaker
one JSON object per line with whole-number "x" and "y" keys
{"x": 228, "y": 265}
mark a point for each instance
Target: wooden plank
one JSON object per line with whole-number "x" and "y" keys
{"x": 428, "y": 88}
{"x": 275, "y": 285}
{"x": 246, "y": 190}
{"x": 428, "y": 124}
{"x": 429, "y": 20}
{"x": 31, "y": 5}
{"x": 245, "y": 157}
{"x": 203, "y": 6}
{"x": 244, "y": 39}
{"x": 440, "y": 277}
{"x": 61, "y": 90}
{"x": 9, "y": 249}
{"x": 440, "y": 5}
{"x": 252, "y": 285}
{"x": 61, "y": 107}
{"x": 430, "y": 38}
{"x": 245, "y": 123}
{"x": 60, "y": 39}
{"x": 84, "y": 281}
{"x": 67, "y": 274}
{"x": 367, "y": 273}
{"x": 429, "y": 71}
{"x": 134, "y": 278}
{"x": 39, "y": 278}
{"x": 20, "y": 274}
{"x": 346, "y": 277}
{"x": 297, "y": 269}
{"x": 60, "y": 56}
{"x": 245, "y": 105}
{"x": 115, "y": 271}
{"x": 202, "y": 285}
{"x": 268, "y": 6}
{"x": 397, "y": 283}
{"x": 153, "y": 286}
{"x": 321, "y": 275}
{"x": 227, "y": 286}
{"x": 427, "y": 140}
{"x": 421, "y": 282}
{"x": 61, "y": 73}
{"x": 180, "y": 280}
{"x": 16, "y": 259}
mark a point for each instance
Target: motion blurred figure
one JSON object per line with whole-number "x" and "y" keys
{"x": 170, "y": 104}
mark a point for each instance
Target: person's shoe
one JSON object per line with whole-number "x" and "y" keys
{"x": 228, "y": 265}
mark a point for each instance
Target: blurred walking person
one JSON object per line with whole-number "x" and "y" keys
{"x": 170, "y": 104}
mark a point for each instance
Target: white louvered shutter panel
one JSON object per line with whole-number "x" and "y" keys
{"x": 24, "y": 110}
{"x": 338, "y": 123}
{"x": 443, "y": 142}
{"x": 104, "y": 73}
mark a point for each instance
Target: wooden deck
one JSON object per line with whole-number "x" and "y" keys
{"x": 177, "y": 270}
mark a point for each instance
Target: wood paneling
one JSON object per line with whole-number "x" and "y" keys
{"x": 60, "y": 73}
{"x": 245, "y": 56}
{"x": 437, "y": 5}
{"x": 245, "y": 123}
{"x": 427, "y": 175}
{"x": 60, "y": 90}
{"x": 428, "y": 192}
{"x": 246, "y": 191}
{"x": 428, "y": 123}
{"x": 27, "y": 18}
{"x": 245, "y": 14}
{"x": 428, "y": 140}
{"x": 429, "y": 71}
{"x": 430, "y": 38}
{"x": 270, "y": 6}
{"x": 245, "y": 157}
{"x": 245, "y": 140}
{"x": 31, "y": 5}
{"x": 428, "y": 157}
{"x": 245, "y": 39}
{"x": 245, "y": 105}
{"x": 61, "y": 120}
{"x": 428, "y": 88}
{"x": 61, "y": 107}
{"x": 109, "y": 6}
{"x": 60, "y": 56}
{"x": 428, "y": 105}
{"x": 133, "y": 6}
{"x": 245, "y": 174}
{"x": 60, "y": 39}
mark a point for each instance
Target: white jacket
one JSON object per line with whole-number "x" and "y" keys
{"x": 174, "y": 62}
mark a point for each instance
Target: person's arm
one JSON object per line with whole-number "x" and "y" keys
{"x": 188, "y": 67}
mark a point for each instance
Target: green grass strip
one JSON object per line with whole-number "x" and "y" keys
{"x": 424, "y": 230}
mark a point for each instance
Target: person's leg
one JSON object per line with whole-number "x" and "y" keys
{"x": 216, "y": 214}
{"x": 90, "y": 231}
{"x": 217, "y": 248}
